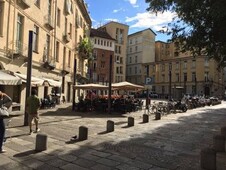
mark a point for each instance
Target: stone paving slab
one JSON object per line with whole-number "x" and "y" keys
{"x": 174, "y": 142}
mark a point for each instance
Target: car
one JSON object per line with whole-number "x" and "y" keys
{"x": 153, "y": 95}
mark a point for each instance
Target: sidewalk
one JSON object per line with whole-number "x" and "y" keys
{"x": 174, "y": 142}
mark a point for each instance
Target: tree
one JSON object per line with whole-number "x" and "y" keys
{"x": 199, "y": 26}
{"x": 85, "y": 48}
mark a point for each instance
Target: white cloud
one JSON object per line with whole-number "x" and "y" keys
{"x": 117, "y": 10}
{"x": 133, "y": 3}
{"x": 150, "y": 20}
{"x": 111, "y": 19}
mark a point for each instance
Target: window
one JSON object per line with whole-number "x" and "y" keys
{"x": 185, "y": 64}
{"x": 135, "y": 59}
{"x": 47, "y": 48}
{"x": 130, "y": 70}
{"x": 136, "y": 48}
{"x": 177, "y": 77}
{"x": 135, "y": 70}
{"x": 193, "y": 76}
{"x": 185, "y": 77}
{"x": 70, "y": 30}
{"x": 163, "y": 67}
{"x": 206, "y": 62}
{"x": 130, "y": 41}
{"x": 130, "y": 59}
{"x": 64, "y": 56}
{"x": 37, "y": 3}
{"x": 19, "y": 32}
{"x": 57, "y": 51}
{"x": 69, "y": 58}
{"x": 1, "y": 17}
{"x": 130, "y": 49}
{"x": 65, "y": 25}
{"x": 35, "y": 38}
{"x": 177, "y": 65}
{"x": 193, "y": 63}
{"x": 163, "y": 77}
{"x": 81, "y": 22}
{"x": 170, "y": 66}
{"x": 206, "y": 75}
{"x": 58, "y": 17}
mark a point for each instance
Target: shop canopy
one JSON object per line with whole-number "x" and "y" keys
{"x": 34, "y": 80}
{"x": 7, "y": 79}
{"x": 52, "y": 82}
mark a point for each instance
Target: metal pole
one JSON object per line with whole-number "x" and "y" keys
{"x": 109, "y": 86}
{"x": 29, "y": 70}
{"x": 74, "y": 81}
{"x": 147, "y": 97}
{"x": 170, "y": 84}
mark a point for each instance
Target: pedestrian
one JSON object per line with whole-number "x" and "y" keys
{"x": 32, "y": 106}
{"x": 6, "y": 101}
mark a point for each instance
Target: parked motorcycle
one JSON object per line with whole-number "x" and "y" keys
{"x": 177, "y": 106}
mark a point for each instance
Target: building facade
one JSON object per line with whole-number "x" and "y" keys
{"x": 58, "y": 26}
{"x": 119, "y": 32}
{"x": 182, "y": 73}
{"x": 140, "y": 50}
{"x": 103, "y": 48}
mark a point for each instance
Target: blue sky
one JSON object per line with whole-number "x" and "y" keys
{"x": 130, "y": 12}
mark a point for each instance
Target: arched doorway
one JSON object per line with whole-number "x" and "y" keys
{"x": 207, "y": 91}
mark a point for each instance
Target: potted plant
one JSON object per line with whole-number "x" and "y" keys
{"x": 85, "y": 48}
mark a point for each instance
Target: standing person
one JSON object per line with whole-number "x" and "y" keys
{"x": 5, "y": 100}
{"x": 32, "y": 107}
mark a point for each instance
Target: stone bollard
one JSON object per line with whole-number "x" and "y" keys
{"x": 219, "y": 143}
{"x": 83, "y": 133}
{"x": 110, "y": 126}
{"x": 223, "y": 131}
{"x": 157, "y": 115}
{"x": 145, "y": 118}
{"x": 41, "y": 142}
{"x": 208, "y": 159}
{"x": 130, "y": 121}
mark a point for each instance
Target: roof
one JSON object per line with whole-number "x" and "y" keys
{"x": 100, "y": 33}
{"x": 143, "y": 31}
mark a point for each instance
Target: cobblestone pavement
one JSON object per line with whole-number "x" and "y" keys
{"x": 172, "y": 143}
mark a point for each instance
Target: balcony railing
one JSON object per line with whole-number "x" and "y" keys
{"x": 48, "y": 21}
{"x": 66, "y": 37}
{"x": 24, "y": 3}
{"x": 17, "y": 49}
{"x": 48, "y": 61}
{"x": 66, "y": 69}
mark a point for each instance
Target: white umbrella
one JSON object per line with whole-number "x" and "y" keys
{"x": 91, "y": 86}
{"x": 127, "y": 86}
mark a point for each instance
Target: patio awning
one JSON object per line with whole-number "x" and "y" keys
{"x": 127, "y": 86}
{"x": 52, "y": 82}
{"x": 91, "y": 86}
{"x": 34, "y": 80}
{"x": 7, "y": 79}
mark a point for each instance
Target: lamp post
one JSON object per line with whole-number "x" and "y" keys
{"x": 74, "y": 81}
{"x": 109, "y": 85}
{"x": 170, "y": 82}
{"x": 147, "y": 97}
{"x": 29, "y": 70}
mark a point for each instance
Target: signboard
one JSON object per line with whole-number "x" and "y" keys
{"x": 149, "y": 80}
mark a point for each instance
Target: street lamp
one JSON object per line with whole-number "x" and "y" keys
{"x": 109, "y": 85}
{"x": 170, "y": 81}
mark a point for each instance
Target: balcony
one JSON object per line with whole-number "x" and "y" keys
{"x": 66, "y": 69}
{"x": 48, "y": 22}
{"x": 24, "y": 4}
{"x": 18, "y": 50}
{"x": 49, "y": 62}
{"x": 66, "y": 37}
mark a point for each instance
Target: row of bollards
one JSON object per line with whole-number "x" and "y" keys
{"x": 41, "y": 139}
{"x": 208, "y": 160}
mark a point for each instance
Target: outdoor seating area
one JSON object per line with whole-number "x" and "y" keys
{"x": 118, "y": 104}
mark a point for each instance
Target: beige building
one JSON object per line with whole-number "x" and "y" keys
{"x": 140, "y": 50}
{"x": 58, "y": 26}
{"x": 187, "y": 74}
{"x": 119, "y": 32}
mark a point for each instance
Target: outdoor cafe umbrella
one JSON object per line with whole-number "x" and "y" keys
{"x": 91, "y": 86}
{"x": 127, "y": 86}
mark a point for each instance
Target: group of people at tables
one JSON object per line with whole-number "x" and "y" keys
{"x": 119, "y": 103}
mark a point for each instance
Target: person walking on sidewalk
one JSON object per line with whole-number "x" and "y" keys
{"x": 32, "y": 107}
{"x": 6, "y": 101}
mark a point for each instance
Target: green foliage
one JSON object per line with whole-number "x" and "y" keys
{"x": 85, "y": 47}
{"x": 201, "y": 24}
